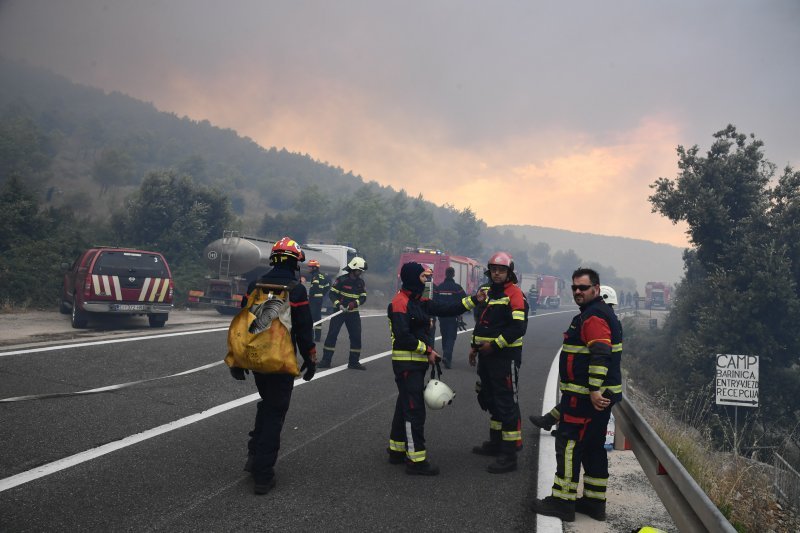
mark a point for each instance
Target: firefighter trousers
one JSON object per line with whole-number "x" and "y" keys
{"x": 448, "y": 326}
{"x": 595, "y": 456}
{"x": 315, "y": 305}
{"x": 580, "y": 440}
{"x": 408, "y": 424}
{"x": 265, "y": 439}
{"x": 352, "y": 320}
{"x": 498, "y": 394}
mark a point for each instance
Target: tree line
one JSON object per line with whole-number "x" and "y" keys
{"x": 741, "y": 289}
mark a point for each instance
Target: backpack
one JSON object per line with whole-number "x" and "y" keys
{"x": 271, "y": 351}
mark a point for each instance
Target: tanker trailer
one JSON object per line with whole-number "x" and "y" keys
{"x": 237, "y": 261}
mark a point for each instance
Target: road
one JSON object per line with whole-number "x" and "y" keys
{"x": 332, "y": 472}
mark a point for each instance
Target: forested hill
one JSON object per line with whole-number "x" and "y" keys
{"x": 642, "y": 260}
{"x": 107, "y": 168}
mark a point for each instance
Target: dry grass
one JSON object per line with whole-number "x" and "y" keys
{"x": 739, "y": 487}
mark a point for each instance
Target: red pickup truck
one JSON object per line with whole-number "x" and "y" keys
{"x": 117, "y": 281}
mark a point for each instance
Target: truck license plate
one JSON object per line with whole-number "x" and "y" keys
{"x": 127, "y": 307}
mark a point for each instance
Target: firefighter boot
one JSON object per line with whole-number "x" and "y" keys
{"x": 421, "y": 468}
{"x": 327, "y": 355}
{"x": 591, "y": 507}
{"x": 506, "y": 460}
{"x": 544, "y": 422}
{"x": 490, "y": 447}
{"x": 556, "y": 507}
{"x": 263, "y": 486}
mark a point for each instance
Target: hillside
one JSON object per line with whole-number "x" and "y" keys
{"x": 82, "y": 136}
{"x": 641, "y": 260}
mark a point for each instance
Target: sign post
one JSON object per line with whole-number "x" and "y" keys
{"x": 737, "y": 385}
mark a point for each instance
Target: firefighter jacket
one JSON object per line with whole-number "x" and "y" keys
{"x": 410, "y": 323}
{"x": 448, "y": 292}
{"x": 591, "y": 353}
{"x": 319, "y": 286}
{"x": 302, "y": 323}
{"x": 503, "y": 321}
{"x": 347, "y": 289}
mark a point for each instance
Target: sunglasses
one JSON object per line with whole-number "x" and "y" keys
{"x": 581, "y": 287}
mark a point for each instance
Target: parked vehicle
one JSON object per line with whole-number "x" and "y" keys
{"x": 657, "y": 295}
{"x": 468, "y": 272}
{"x": 236, "y": 261}
{"x": 550, "y": 289}
{"x": 117, "y": 281}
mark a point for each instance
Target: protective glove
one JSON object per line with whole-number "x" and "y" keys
{"x": 238, "y": 373}
{"x": 460, "y": 324}
{"x": 351, "y": 306}
{"x": 310, "y": 369}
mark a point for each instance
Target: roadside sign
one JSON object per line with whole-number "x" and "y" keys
{"x": 737, "y": 380}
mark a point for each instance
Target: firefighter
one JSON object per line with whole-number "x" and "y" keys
{"x": 319, "y": 288}
{"x": 412, "y": 352}
{"x": 497, "y": 347}
{"x": 590, "y": 382}
{"x": 549, "y": 419}
{"x": 448, "y": 292}
{"x": 276, "y": 389}
{"x": 348, "y": 294}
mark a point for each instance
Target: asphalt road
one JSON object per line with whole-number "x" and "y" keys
{"x": 332, "y": 473}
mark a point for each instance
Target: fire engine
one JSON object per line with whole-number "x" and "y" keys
{"x": 469, "y": 273}
{"x": 550, "y": 290}
{"x": 657, "y": 295}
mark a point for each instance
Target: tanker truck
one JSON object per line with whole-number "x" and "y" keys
{"x": 237, "y": 261}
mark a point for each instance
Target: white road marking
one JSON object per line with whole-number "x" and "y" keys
{"x": 94, "y": 453}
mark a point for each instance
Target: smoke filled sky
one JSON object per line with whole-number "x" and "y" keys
{"x": 530, "y": 112}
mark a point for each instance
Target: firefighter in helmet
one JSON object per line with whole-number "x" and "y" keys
{"x": 348, "y": 294}
{"x": 497, "y": 349}
{"x": 275, "y": 389}
{"x": 316, "y": 294}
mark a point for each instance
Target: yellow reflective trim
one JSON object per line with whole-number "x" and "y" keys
{"x": 569, "y": 496}
{"x": 597, "y": 382}
{"x": 598, "y": 370}
{"x": 495, "y": 424}
{"x": 347, "y": 294}
{"x": 512, "y": 435}
{"x": 408, "y": 356}
{"x": 518, "y": 315}
{"x": 616, "y": 347}
{"x": 467, "y": 302}
{"x": 596, "y": 481}
{"x": 569, "y": 455}
{"x": 613, "y": 388}
{"x": 505, "y": 300}
{"x": 572, "y": 387}
{"x": 501, "y": 341}
{"x": 397, "y": 446}
{"x": 565, "y": 483}
{"x": 594, "y": 494}
{"x": 483, "y": 339}
{"x": 416, "y": 456}
{"x": 573, "y": 348}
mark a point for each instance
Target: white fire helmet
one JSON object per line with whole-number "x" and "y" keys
{"x": 357, "y": 263}
{"x": 437, "y": 394}
{"x": 609, "y": 295}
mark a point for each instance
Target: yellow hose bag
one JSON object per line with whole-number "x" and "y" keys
{"x": 271, "y": 351}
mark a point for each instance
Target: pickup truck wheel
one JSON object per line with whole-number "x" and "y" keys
{"x": 79, "y": 318}
{"x": 157, "y": 321}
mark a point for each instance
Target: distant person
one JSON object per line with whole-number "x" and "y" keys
{"x": 284, "y": 320}
{"x": 448, "y": 292}
{"x": 348, "y": 294}
{"x": 533, "y": 299}
{"x": 319, "y": 288}
{"x": 636, "y": 299}
{"x": 591, "y": 382}
{"x": 412, "y": 354}
{"x": 497, "y": 351}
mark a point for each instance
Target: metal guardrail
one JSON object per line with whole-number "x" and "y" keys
{"x": 687, "y": 504}
{"x": 786, "y": 481}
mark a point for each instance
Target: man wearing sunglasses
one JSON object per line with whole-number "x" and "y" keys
{"x": 590, "y": 382}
